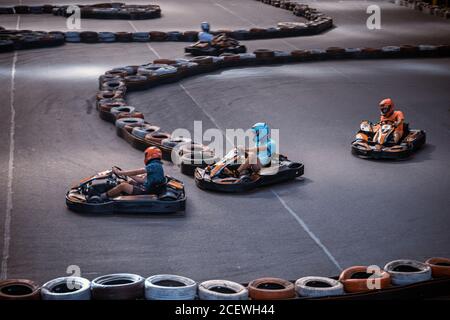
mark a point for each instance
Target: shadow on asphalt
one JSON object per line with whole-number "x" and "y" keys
{"x": 419, "y": 156}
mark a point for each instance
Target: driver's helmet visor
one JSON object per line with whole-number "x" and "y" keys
{"x": 385, "y": 109}
{"x": 205, "y": 26}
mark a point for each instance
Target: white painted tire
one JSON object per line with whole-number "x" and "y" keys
{"x": 404, "y": 272}
{"x": 222, "y": 290}
{"x": 58, "y": 289}
{"x": 170, "y": 287}
{"x": 313, "y": 287}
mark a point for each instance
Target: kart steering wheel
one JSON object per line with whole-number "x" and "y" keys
{"x": 120, "y": 177}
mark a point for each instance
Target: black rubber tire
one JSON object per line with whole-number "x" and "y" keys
{"x": 119, "y": 286}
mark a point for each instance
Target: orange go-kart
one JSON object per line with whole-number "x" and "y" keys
{"x": 375, "y": 141}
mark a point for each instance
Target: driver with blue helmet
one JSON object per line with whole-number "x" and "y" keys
{"x": 260, "y": 155}
{"x": 205, "y": 35}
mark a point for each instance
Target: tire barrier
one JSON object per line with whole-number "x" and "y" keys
{"x": 404, "y": 272}
{"x": 66, "y": 288}
{"x": 356, "y": 279}
{"x": 351, "y": 284}
{"x": 170, "y": 287}
{"x": 19, "y": 289}
{"x": 314, "y": 287}
{"x": 119, "y": 286}
{"x": 440, "y": 267}
{"x": 316, "y": 23}
{"x": 425, "y": 7}
{"x": 116, "y": 83}
{"x": 25, "y": 39}
{"x": 222, "y": 290}
{"x": 94, "y": 11}
{"x": 271, "y": 289}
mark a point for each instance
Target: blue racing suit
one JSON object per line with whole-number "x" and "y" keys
{"x": 155, "y": 176}
{"x": 205, "y": 36}
{"x": 265, "y": 156}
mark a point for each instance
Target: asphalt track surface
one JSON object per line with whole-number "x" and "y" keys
{"x": 345, "y": 211}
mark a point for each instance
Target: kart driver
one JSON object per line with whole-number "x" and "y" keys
{"x": 148, "y": 180}
{"x": 390, "y": 115}
{"x": 261, "y": 155}
{"x": 205, "y": 35}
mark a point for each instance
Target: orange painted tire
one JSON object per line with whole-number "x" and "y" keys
{"x": 130, "y": 115}
{"x": 440, "y": 267}
{"x": 19, "y": 289}
{"x": 271, "y": 289}
{"x": 355, "y": 279}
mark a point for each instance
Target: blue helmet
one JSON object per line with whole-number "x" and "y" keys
{"x": 261, "y": 130}
{"x": 205, "y": 26}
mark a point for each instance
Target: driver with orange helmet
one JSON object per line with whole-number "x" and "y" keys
{"x": 148, "y": 180}
{"x": 395, "y": 117}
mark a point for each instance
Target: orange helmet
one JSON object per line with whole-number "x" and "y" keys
{"x": 386, "y": 106}
{"x": 152, "y": 153}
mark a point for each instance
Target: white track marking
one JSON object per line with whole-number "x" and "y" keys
{"x": 308, "y": 231}
{"x": 9, "y": 190}
{"x": 292, "y": 212}
{"x": 148, "y": 44}
{"x": 18, "y": 22}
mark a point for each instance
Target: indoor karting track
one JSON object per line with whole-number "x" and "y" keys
{"x": 346, "y": 211}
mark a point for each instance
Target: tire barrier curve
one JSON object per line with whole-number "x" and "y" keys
{"x": 114, "y": 10}
{"x": 316, "y": 23}
{"x": 131, "y": 124}
{"x": 425, "y": 7}
{"x": 401, "y": 279}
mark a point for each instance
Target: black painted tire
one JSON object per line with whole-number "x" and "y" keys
{"x": 119, "y": 286}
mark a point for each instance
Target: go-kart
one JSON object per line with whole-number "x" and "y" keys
{"x": 219, "y": 44}
{"x": 85, "y": 196}
{"x": 215, "y": 178}
{"x": 376, "y": 141}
